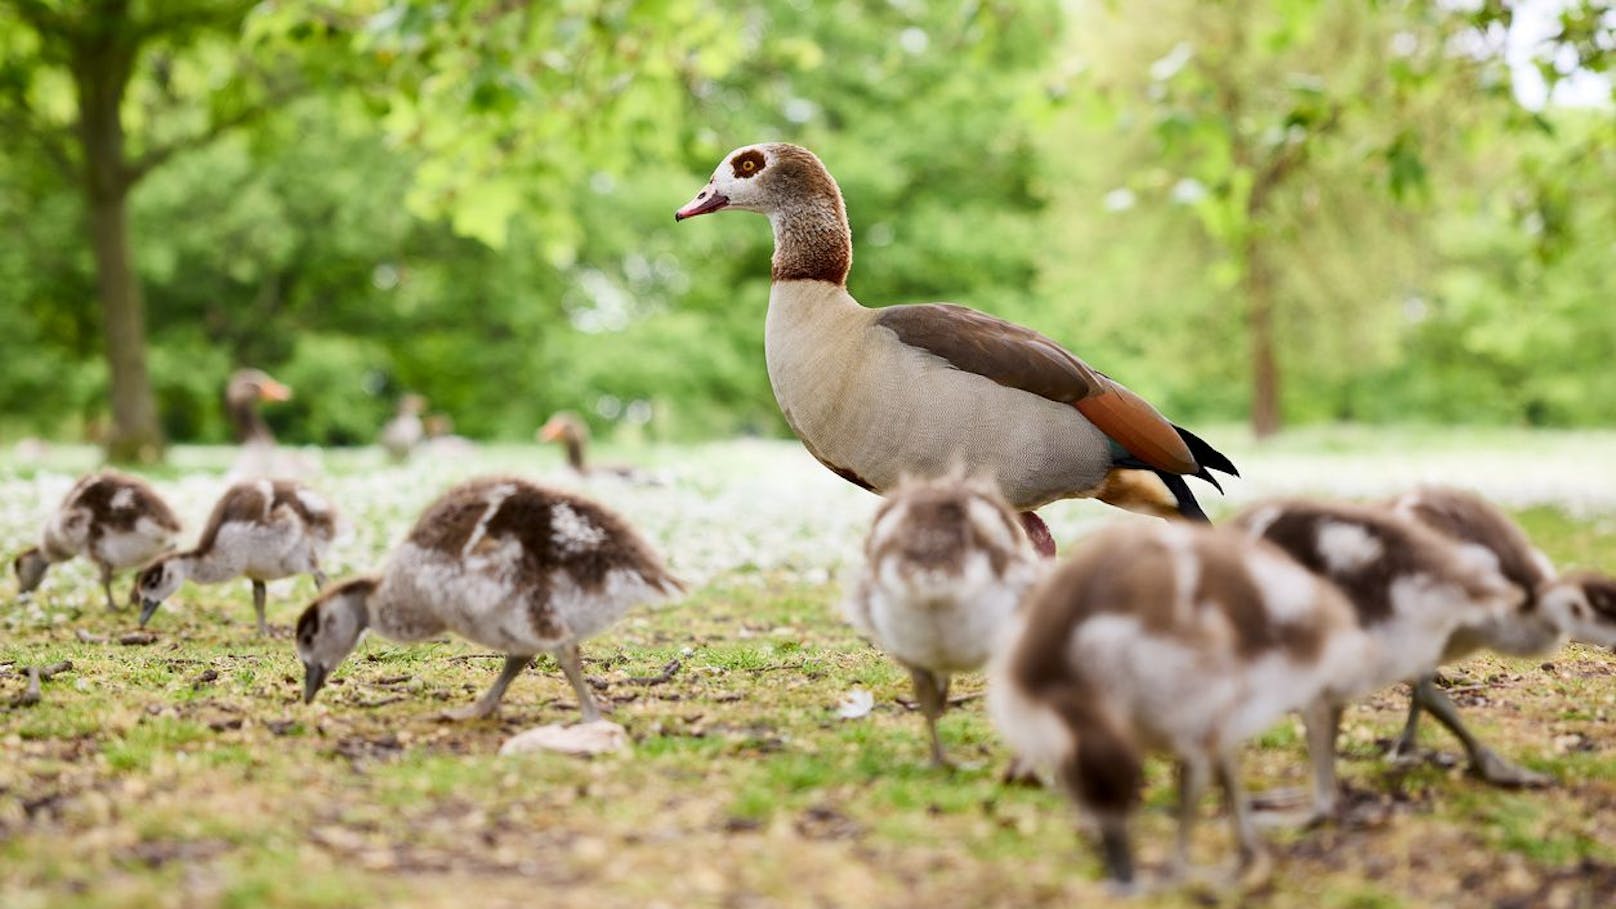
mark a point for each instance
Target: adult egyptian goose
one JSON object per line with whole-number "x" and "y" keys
{"x": 246, "y": 390}
{"x": 116, "y": 520}
{"x": 502, "y": 562}
{"x": 405, "y": 430}
{"x": 1414, "y": 593}
{"x": 263, "y": 530}
{"x": 569, "y": 429}
{"x": 1174, "y": 638}
{"x": 876, "y": 394}
{"x": 259, "y": 456}
{"x": 1551, "y": 610}
{"x": 946, "y": 564}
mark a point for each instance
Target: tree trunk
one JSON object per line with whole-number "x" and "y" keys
{"x": 1266, "y": 416}
{"x": 101, "y": 68}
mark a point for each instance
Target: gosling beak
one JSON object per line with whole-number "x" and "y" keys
{"x": 706, "y": 201}
{"x": 272, "y": 390}
{"x": 147, "y": 608}
{"x": 313, "y": 680}
{"x": 550, "y": 432}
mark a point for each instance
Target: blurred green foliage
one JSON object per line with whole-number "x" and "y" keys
{"x": 473, "y": 201}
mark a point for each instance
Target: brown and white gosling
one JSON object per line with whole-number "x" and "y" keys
{"x": 947, "y": 562}
{"x": 263, "y": 530}
{"x": 1175, "y": 638}
{"x": 1552, "y": 610}
{"x": 1412, "y": 590}
{"x": 502, "y": 562}
{"x": 115, "y": 520}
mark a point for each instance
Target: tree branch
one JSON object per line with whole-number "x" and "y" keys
{"x": 158, "y": 156}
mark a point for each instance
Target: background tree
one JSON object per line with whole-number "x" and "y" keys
{"x": 110, "y": 91}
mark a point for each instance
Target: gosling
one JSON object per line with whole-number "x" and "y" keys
{"x": 115, "y": 520}
{"x": 1552, "y": 610}
{"x": 1175, "y": 638}
{"x": 502, "y": 562}
{"x": 1413, "y": 592}
{"x": 263, "y": 530}
{"x": 946, "y": 564}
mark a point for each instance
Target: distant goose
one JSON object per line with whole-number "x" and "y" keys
{"x": 262, "y": 530}
{"x": 1414, "y": 593}
{"x": 246, "y": 390}
{"x": 259, "y": 456}
{"x": 947, "y": 564}
{"x": 405, "y": 430}
{"x": 568, "y": 429}
{"x": 1173, "y": 638}
{"x": 878, "y": 394}
{"x": 115, "y": 520}
{"x": 502, "y": 562}
{"x": 1552, "y": 610}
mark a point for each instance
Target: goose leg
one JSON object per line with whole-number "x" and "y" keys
{"x": 1192, "y": 774}
{"x": 1038, "y": 533}
{"x": 319, "y": 578}
{"x": 106, "y": 585}
{"x": 1323, "y": 721}
{"x": 489, "y": 702}
{"x": 1405, "y": 744}
{"x": 572, "y": 667}
{"x": 260, "y": 595}
{"x": 1254, "y": 862}
{"x": 931, "y": 691}
{"x": 1484, "y": 762}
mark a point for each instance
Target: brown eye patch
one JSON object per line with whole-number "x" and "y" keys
{"x": 747, "y": 163}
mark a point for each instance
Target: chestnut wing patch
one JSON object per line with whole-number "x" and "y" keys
{"x": 1021, "y": 358}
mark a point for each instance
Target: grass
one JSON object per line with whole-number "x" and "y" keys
{"x": 186, "y": 772}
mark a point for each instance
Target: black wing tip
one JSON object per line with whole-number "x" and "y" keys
{"x": 1188, "y": 508}
{"x": 1208, "y": 457}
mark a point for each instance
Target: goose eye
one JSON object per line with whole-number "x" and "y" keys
{"x": 747, "y": 163}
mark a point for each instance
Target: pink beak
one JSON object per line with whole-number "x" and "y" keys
{"x": 708, "y": 200}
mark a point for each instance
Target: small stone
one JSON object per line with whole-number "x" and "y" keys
{"x": 599, "y": 737}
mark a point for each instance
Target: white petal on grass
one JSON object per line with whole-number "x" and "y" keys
{"x": 856, "y": 704}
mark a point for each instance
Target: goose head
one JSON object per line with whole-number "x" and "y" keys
{"x": 565, "y": 426}
{"x": 1584, "y": 604}
{"x": 767, "y": 178}
{"x": 30, "y": 566}
{"x": 330, "y": 629}
{"x": 248, "y": 386}
{"x": 157, "y": 582}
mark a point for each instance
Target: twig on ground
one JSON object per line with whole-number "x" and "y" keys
{"x": 89, "y": 638}
{"x": 137, "y": 638}
{"x": 29, "y": 697}
{"x": 379, "y": 702}
{"x": 665, "y": 675}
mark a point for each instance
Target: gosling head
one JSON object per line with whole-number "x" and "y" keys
{"x": 1584, "y": 605}
{"x": 30, "y": 566}
{"x": 329, "y": 629}
{"x": 157, "y": 582}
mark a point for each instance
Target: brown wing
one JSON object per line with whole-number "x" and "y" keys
{"x": 1023, "y": 359}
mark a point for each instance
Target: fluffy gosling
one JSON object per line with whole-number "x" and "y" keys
{"x": 502, "y": 562}
{"x": 263, "y": 530}
{"x": 115, "y": 520}
{"x": 1171, "y": 638}
{"x": 946, "y": 564}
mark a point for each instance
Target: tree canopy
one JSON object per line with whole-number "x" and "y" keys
{"x": 1288, "y": 211}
